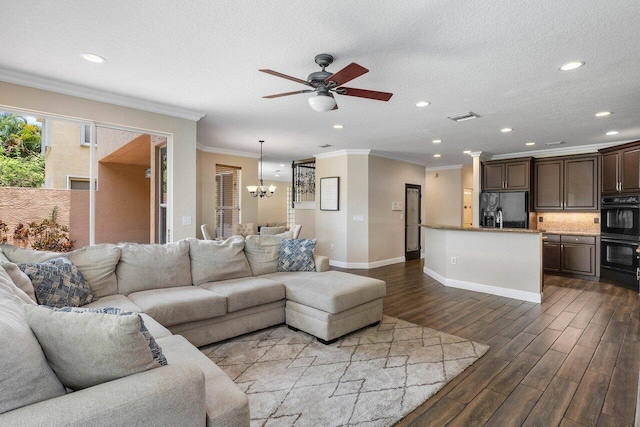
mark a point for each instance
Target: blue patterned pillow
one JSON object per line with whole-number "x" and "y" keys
{"x": 58, "y": 283}
{"x": 156, "y": 351}
{"x": 297, "y": 255}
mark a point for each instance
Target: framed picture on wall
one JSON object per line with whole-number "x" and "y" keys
{"x": 330, "y": 193}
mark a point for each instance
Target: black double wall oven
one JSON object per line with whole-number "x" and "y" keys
{"x": 619, "y": 239}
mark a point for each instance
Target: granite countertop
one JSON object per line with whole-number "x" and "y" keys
{"x": 491, "y": 230}
{"x": 571, "y": 233}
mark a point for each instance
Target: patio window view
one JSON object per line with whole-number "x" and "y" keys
{"x": 45, "y": 184}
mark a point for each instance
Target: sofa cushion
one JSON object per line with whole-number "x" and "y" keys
{"x": 18, "y": 277}
{"x": 90, "y": 347}
{"x": 6, "y": 280}
{"x": 226, "y": 404}
{"x": 270, "y": 231}
{"x": 297, "y": 255}
{"x": 331, "y": 291}
{"x": 246, "y": 292}
{"x": 144, "y": 267}
{"x": 58, "y": 283}
{"x": 171, "y": 306}
{"x": 263, "y": 253}
{"x": 98, "y": 266}
{"x": 117, "y": 301}
{"x": 213, "y": 260}
{"x": 20, "y": 255}
{"x": 25, "y": 375}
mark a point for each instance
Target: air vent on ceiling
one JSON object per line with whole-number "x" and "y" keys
{"x": 464, "y": 116}
{"x": 325, "y": 146}
{"x": 554, "y": 143}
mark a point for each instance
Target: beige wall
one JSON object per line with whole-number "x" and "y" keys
{"x": 307, "y": 219}
{"x": 331, "y": 226}
{"x": 387, "y": 179}
{"x": 443, "y": 197}
{"x": 357, "y": 190}
{"x": 122, "y": 216}
{"x": 206, "y": 186}
{"x": 182, "y": 153}
{"x": 65, "y": 155}
{"x": 274, "y": 209}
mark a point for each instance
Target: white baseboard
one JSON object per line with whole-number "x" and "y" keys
{"x": 487, "y": 289}
{"x": 366, "y": 265}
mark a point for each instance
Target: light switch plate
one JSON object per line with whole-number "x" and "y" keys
{"x": 186, "y": 220}
{"x": 396, "y": 206}
{"x": 358, "y": 218}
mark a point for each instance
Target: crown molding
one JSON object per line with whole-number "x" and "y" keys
{"x": 563, "y": 151}
{"x": 443, "y": 168}
{"x": 97, "y": 95}
{"x": 393, "y": 156}
{"x": 342, "y": 153}
{"x": 215, "y": 150}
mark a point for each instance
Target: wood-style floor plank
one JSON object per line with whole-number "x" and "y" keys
{"x": 572, "y": 360}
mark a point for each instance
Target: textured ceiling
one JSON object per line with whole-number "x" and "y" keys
{"x": 498, "y": 59}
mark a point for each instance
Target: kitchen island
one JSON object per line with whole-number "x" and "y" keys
{"x": 505, "y": 262}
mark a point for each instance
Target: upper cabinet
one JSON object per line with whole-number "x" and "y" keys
{"x": 621, "y": 169}
{"x": 566, "y": 183}
{"x": 506, "y": 175}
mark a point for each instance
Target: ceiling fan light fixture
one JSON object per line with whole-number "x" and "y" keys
{"x": 322, "y": 103}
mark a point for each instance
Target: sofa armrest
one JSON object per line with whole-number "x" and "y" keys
{"x": 166, "y": 396}
{"x": 322, "y": 263}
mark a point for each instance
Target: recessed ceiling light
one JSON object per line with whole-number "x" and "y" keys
{"x": 612, "y": 132}
{"x": 422, "y": 103}
{"x": 530, "y": 143}
{"x": 571, "y": 65}
{"x": 281, "y": 166}
{"x": 91, "y": 57}
{"x": 436, "y": 155}
{"x": 338, "y": 126}
{"x": 277, "y": 175}
{"x": 505, "y": 130}
{"x": 603, "y": 114}
{"x": 466, "y": 152}
{"x": 437, "y": 141}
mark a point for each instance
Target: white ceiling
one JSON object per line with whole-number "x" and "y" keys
{"x": 498, "y": 59}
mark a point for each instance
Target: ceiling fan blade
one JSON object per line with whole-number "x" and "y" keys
{"x": 347, "y": 74}
{"x": 284, "y": 76}
{"x": 363, "y": 93}
{"x": 336, "y": 107}
{"x": 278, "y": 95}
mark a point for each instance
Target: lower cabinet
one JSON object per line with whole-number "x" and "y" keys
{"x": 570, "y": 254}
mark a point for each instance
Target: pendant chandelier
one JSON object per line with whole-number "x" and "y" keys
{"x": 261, "y": 190}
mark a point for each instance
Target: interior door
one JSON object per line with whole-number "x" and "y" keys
{"x": 413, "y": 195}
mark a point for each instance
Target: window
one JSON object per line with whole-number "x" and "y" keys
{"x": 85, "y": 135}
{"x": 228, "y": 184}
{"x": 78, "y": 183}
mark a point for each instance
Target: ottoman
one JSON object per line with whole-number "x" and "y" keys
{"x": 330, "y": 304}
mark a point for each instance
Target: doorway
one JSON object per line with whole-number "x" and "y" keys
{"x": 412, "y": 214}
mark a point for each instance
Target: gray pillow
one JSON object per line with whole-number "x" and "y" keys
{"x": 25, "y": 376}
{"x": 20, "y": 255}
{"x": 8, "y": 284}
{"x": 263, "y": 253}
{"x": 98, "y": 266}
{"x": 58, "y": 283}
{"x": 90, "y": 347}
{"x": 20, "y": 279}
{"x": 213, "y": 260}
{"x": 145, "y": 267}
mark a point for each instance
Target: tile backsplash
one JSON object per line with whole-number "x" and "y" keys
{"x": 568, "y": 221}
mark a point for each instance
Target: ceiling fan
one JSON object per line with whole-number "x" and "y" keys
{"x": 325, "y": 84}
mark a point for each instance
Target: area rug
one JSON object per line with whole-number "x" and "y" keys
{"x": 372, "y": 377}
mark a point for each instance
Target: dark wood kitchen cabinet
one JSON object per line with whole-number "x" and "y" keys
{"x": 620, "y": 169}
{"x": 570, "y": 254}
{"x": 506, "y": 175}
{"x": 566, "y": 184}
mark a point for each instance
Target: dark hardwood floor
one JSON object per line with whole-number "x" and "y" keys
{"x": 571, "y": 361}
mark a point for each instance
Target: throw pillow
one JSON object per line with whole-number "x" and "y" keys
{"x": 58, "y": 283}
{"x": 213, "y": 260}
{"x": 98, "y": 266}
{"x": 263, "y": 253}
{"x": 20, "y": 279}
{"x": 25, "y": 375}
{"x": 8, "y": 285}
{"x": 297, "y": 255}
{"x": 93, "y": 346}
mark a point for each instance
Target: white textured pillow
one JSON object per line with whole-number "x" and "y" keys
{"x": 25, "y": 376}
{"x": 86, "y": 348}
{"x": 19, "y": 278}
{"x": 263, "y": 253}
{"x": 213, "y": 260}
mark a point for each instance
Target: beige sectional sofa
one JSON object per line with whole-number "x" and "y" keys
{"x": 193, "y": 293}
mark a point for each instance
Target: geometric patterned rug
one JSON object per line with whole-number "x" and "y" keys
{"x": 372, "y": 377}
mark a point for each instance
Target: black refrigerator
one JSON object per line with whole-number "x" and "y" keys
{"x": 513, "y": 204}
